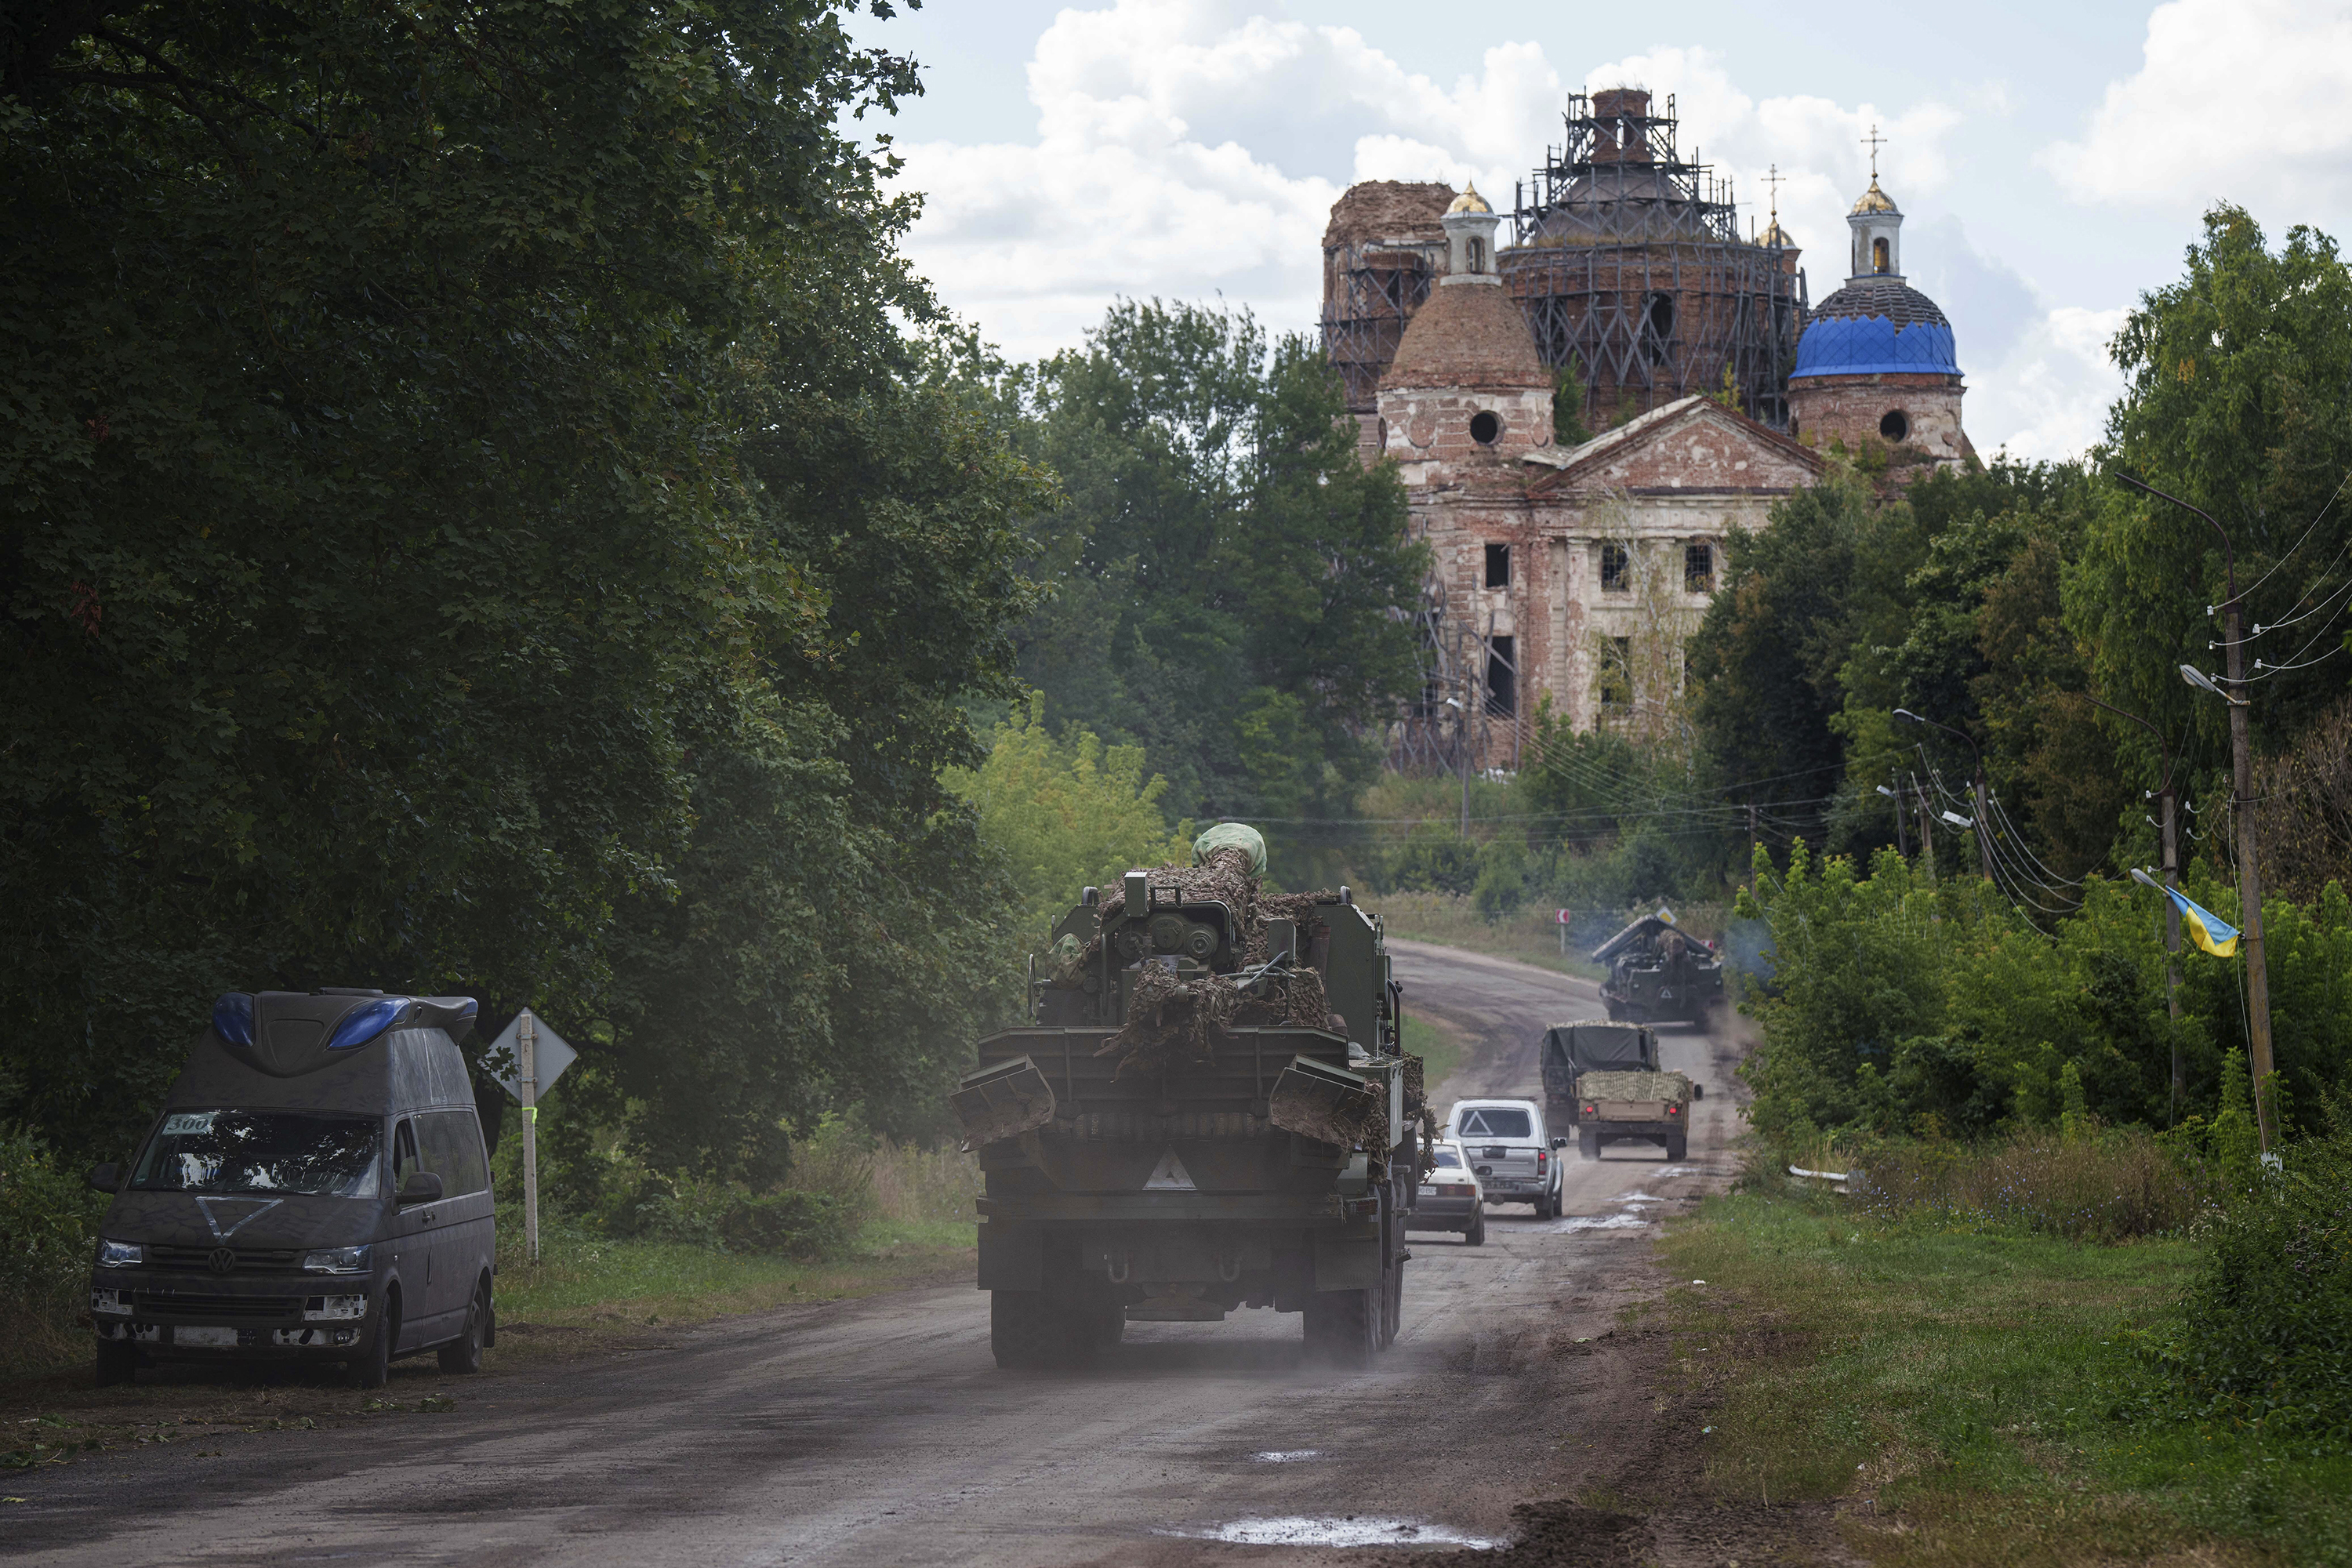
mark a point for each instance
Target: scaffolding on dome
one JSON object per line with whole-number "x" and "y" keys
{"x": 1371, "y": 289}
{"x": 1628, "y": 264}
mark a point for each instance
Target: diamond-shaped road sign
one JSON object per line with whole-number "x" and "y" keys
{"x": 550, "y": 1055}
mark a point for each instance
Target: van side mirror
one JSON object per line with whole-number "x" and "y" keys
{"x": 421, "y": 1187}
{"x": 106, "y": 1178}
{"x": 1699, "y": 1091}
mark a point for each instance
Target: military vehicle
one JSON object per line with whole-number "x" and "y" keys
{"x": 1604, "y": 1080}
{"x": 1658, "y": 976}
{"x": 1208, "y": 1110}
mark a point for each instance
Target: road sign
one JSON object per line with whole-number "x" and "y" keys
{"x": 550, "y": 1056}
{"x": 1560, "y": 918}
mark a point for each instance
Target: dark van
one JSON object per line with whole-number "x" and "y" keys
{"x": 316, "y": 1188}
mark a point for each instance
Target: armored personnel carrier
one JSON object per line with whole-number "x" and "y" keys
{"x": 1207, "y": 1111}
{"x": 1658, "y": 976}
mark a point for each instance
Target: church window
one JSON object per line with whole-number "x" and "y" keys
{"x": 1499, "y": 565}
{"x": 1477, "y": 255}
{"x": 1616, "y": 570}
{"x": 1612, "y": 685}
{"x": 1502, "y": 677}
{"x": 1698, "y": 568}
{"x": 1485, "y": 425}
{"x": 1879, "y": 258}
{"x": 1895, "y": 427}
{"x": 1658, "y": 329}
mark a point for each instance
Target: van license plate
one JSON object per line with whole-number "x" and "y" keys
{"x": 222, "y": 1338}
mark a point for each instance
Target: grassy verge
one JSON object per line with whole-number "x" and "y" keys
{"x": 583, "y": 1281}
{"x": 1973, "y": 1397}
{"x": 1440, "y": 1046}
{"x": 1529, "y": 936}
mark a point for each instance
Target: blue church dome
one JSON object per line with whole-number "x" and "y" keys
{"x": 1877, "y": 326}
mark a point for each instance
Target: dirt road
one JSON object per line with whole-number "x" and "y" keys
{"x": 879, "y": 1431}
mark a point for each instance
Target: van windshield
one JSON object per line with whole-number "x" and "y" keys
{"x": 261, "y": 1152}
{"x": 1496, "y": 1122}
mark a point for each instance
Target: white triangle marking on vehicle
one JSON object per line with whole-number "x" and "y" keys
{"x": 1170, "y": 1176}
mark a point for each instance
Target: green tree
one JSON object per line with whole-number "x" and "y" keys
{"x": 1065, "y": 814}
{"x": 473, "y": 517}
{"x": 1227, "y": 571}
{"x": 2234, "y": 402}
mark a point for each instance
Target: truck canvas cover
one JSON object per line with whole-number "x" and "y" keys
{"x": 1595, "y": 1047}
{"x": 1641, "y": 930}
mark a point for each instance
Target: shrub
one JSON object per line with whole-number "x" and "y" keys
{"x": 792, "y": 1223}
{"x": 49, "y": 1223}
{"x": 2267, "y": 1331}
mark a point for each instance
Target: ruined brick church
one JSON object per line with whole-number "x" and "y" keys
{"x": 1578, "y": 572}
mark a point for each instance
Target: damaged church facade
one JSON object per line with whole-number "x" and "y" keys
{"x": 1578, "y": 574}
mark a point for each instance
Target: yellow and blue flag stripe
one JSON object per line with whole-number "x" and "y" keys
{"x": 2206, "y": 929}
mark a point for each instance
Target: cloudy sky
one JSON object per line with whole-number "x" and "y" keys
{"x": 2052, "y": 158}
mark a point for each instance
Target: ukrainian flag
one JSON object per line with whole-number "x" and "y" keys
{"x": 2206, "y": 929}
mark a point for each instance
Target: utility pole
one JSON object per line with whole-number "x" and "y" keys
{"x": 1926, "y": 827}
{"x": 1751, "y": 838}
{"x": 1902, "y": 828}
{"x": 527, "y": 1079}
{"x": 2167, "y": 799}
{"x": 2241, "y": 811}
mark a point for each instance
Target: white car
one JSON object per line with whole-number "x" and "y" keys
{"x": 1506, "y": 1143}
{"x": 1450, "y": 1198}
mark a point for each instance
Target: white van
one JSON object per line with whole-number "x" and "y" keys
{"x": 1517, "y": 1159}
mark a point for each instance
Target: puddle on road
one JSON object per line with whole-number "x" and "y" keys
{"x": 1328, "y": 1530}
{"x": 1287, "y": 1456}
{"x": 1596, "y": 1222}
{"x": 1637, "y": 1198}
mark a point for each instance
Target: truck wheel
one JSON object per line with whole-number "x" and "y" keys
{"x": 1475, "y": 1235}
{"x": 1020, "y": 1329}
{"x": 1677, "y": 1147}
{"x": 1547, "y": 1208}
{"x": 1588, "y": 1143}
{"x": 118, "y": 1362}
{"x": 1342, "y": 1328}
{"x": 464, "y": 1354}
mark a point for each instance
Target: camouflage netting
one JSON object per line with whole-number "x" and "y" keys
{"x": 1633, "y": 1086}
{"x": 1173, "y": 1023}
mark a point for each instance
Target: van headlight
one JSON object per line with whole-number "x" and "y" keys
{"x": 120, "y": 1254}
{"x": 336, "y": 1261}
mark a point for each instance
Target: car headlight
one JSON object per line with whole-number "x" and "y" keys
{"x": 336, "y": 1261}
{"x": 120, "y": 1254}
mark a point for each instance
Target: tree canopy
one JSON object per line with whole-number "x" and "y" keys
{"x": 1227, "y": 573}
{"x": 485, "y": 510}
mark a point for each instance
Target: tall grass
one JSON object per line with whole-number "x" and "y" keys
{"x": 2110, "y": 1185}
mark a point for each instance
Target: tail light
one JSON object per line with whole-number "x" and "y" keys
{"x": 1673, "y": 1110}
{"x": 1541, "y": 1156}
{"x": 1591, "y": 1111}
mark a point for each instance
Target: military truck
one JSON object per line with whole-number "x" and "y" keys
{"x": 1604, "y": 1080}
{"x": 1659, "y": 975}
{"x": 1207, "y": 1110}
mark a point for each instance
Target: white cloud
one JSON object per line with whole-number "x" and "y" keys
{"x": 1191, "y": 148}
{"x": 2049, "y": 397}
{"x": 2235, "y": 99}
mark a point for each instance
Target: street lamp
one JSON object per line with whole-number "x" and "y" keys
{"x": 2241, "y": 806}
{"x": 1984, "y": 854}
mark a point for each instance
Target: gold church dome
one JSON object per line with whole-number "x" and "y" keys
{"x": 1775, "y": 235}
{"x": 1469, "y": 201}
{"x": 1874, "y": 200}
